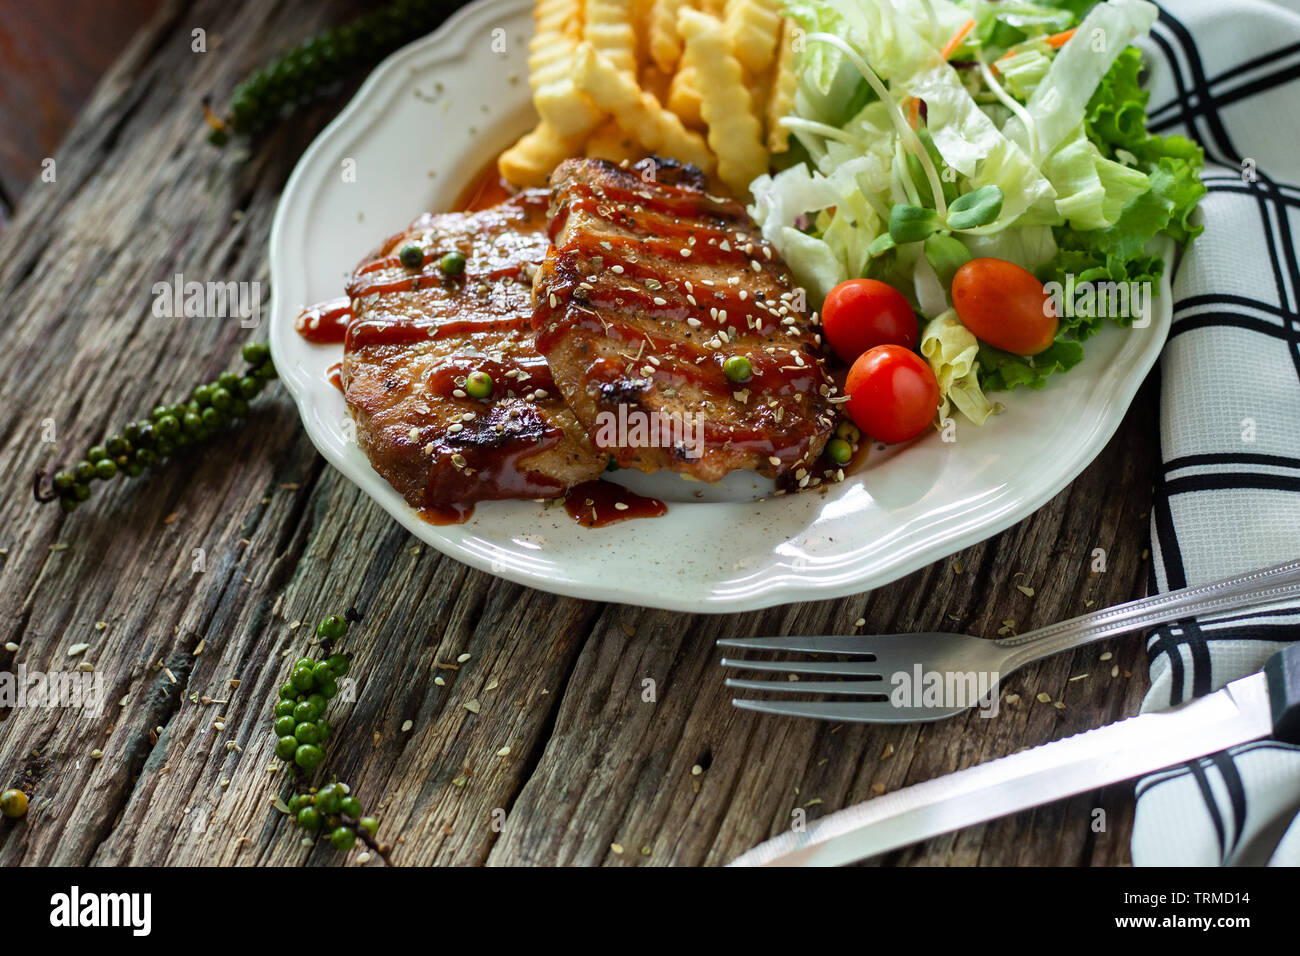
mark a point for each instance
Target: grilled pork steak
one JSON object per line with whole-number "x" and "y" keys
{"x": 650, "y": 287}
{"x": 417, "y": 334}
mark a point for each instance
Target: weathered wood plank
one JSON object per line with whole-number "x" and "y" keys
{"x": 139, "y": 196}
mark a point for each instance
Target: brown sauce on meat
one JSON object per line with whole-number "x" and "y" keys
{"x": 594, "y": 504}
{"x": 325, "y": 323}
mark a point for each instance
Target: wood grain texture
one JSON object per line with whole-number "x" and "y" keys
{"x": 594, "y": 774}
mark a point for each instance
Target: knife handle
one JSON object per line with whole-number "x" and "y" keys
{"x": 1282, "y": 671}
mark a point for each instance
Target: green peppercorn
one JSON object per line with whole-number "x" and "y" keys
{"x": 13, "y": 803}
{"x": 222, "y": 399}
{"x": 308, "y": 757}
{"x": 96, "y": 454}
{"x": 63, "y": 481}
{"x": 452, "y": 264}
{"x": 133, "y": 469}
{"x": 80, "y": 492}
{"x": 288, "y": 691}
{"x": 329, "y": 690}
{"x": 304, "y": 711}
{"x": 116, "y": 445}
{"x": 848, "y": 431}
{"x": 68, "y": 505}
{"x": 284, "y": 708}
{"x": 131, "y": 431}
{"x": 302, "y": 679}
{"x": 309, "y": 818}
{"x": 369, "y": 824}
{"x": 228, "y": 380}
{"x": 839, "y": 451}
{"x": 738, "y": 368}
{"x": 105, "y": 469}
{"x": 295, "y": 804}
{"x": 255, "y": 353}
{"x": 478, "y": 384}
{"x": 192, "y": 422}
{"x": 304, "y": 663}
{"x": 146, "y": 457}
{"x": 203, "y": 395}
{"x": 306, "y": 732}
{"x": 350, "y": 806}
{"x": 343, "y": 838}
{"x": 285, "y": 726}
{"x": 286, "y": 747}
{"x": 167, "y": 426}
{"x": 339, "y": 663}
{"x": 83, "y": 471}
{"x": 412, "y": 256}
{"x": 332, "y": 628}
{"x": 317, "y": 701}
{"x": 322, "y": 673}
{"x": 328, "y": 798}
{"x": 211, "y": 417}
{"x": 249, "y": 387}
{"x": 323, "y": 728}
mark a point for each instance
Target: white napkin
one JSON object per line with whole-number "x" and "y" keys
{"x": 1228, "y": 75}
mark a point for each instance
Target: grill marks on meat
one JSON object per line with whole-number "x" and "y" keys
{"x": 649, "y": 288}
{"x": 414, "y": 337}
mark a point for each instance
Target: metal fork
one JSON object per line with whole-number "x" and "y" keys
{"x": 952, "y": 656}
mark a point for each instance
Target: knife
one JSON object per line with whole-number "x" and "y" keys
{"x": 1265, "y": 703}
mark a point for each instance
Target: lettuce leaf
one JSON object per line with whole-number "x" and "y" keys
{"x": 951, "y": 349}
{"x": 1000, "y": 371}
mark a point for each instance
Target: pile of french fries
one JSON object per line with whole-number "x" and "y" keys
{"x": 699, "y": 81}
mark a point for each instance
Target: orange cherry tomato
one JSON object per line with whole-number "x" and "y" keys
{"x": 862, "y": 313}
{"x": 893, "y": 394}
{"x": 1005, "y": 306}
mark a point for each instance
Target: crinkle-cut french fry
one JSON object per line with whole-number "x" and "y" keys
{"x": 607, "y": 26}
{"x": 530, "y": 161}
{"x": 610, "y": 141}
{"x": 637, "y": 111}
{"x": 684, "y": 96}
{"x": 753, "y": 27}
{"x": 550, "y": 67}
{"x": 665, "y": 41}
{"x": 656, "y": 82}
{"x": 780, "y": 101}
{"x": 735, "y": 134}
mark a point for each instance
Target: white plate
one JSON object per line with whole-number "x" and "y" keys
{"x": 419, "y": 129}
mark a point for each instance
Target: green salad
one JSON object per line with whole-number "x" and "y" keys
{"x": 931, "y": 133}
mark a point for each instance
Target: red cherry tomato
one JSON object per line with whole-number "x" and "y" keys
{"x": 893, "y": 394}
{"x": 862, "y": 313}
{"x": 1005, "y": 306}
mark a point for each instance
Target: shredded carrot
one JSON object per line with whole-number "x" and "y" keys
{"x": 914, "y": 112}
{"x": 957, "y": 38}
{"x": 1058, "y": 40}
{"x": 1055, "y": 41}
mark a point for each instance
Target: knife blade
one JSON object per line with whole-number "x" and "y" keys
{"x": 1247, "y": 709}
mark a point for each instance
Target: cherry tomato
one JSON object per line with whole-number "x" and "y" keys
{"x": 1005, "y": 306}
{"x": 893, "y": 394}
{"x": 862, "y": 313}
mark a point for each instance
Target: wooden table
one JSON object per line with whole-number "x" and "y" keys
{"x": 593, "y": 774}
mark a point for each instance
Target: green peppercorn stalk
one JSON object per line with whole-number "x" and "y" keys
{"x": 315, "y": 68}
{"x": 334, "y": 810}
{"x": 168, "y": 430}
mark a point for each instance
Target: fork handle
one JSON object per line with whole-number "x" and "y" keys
{"x": 1241, "y": 591}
